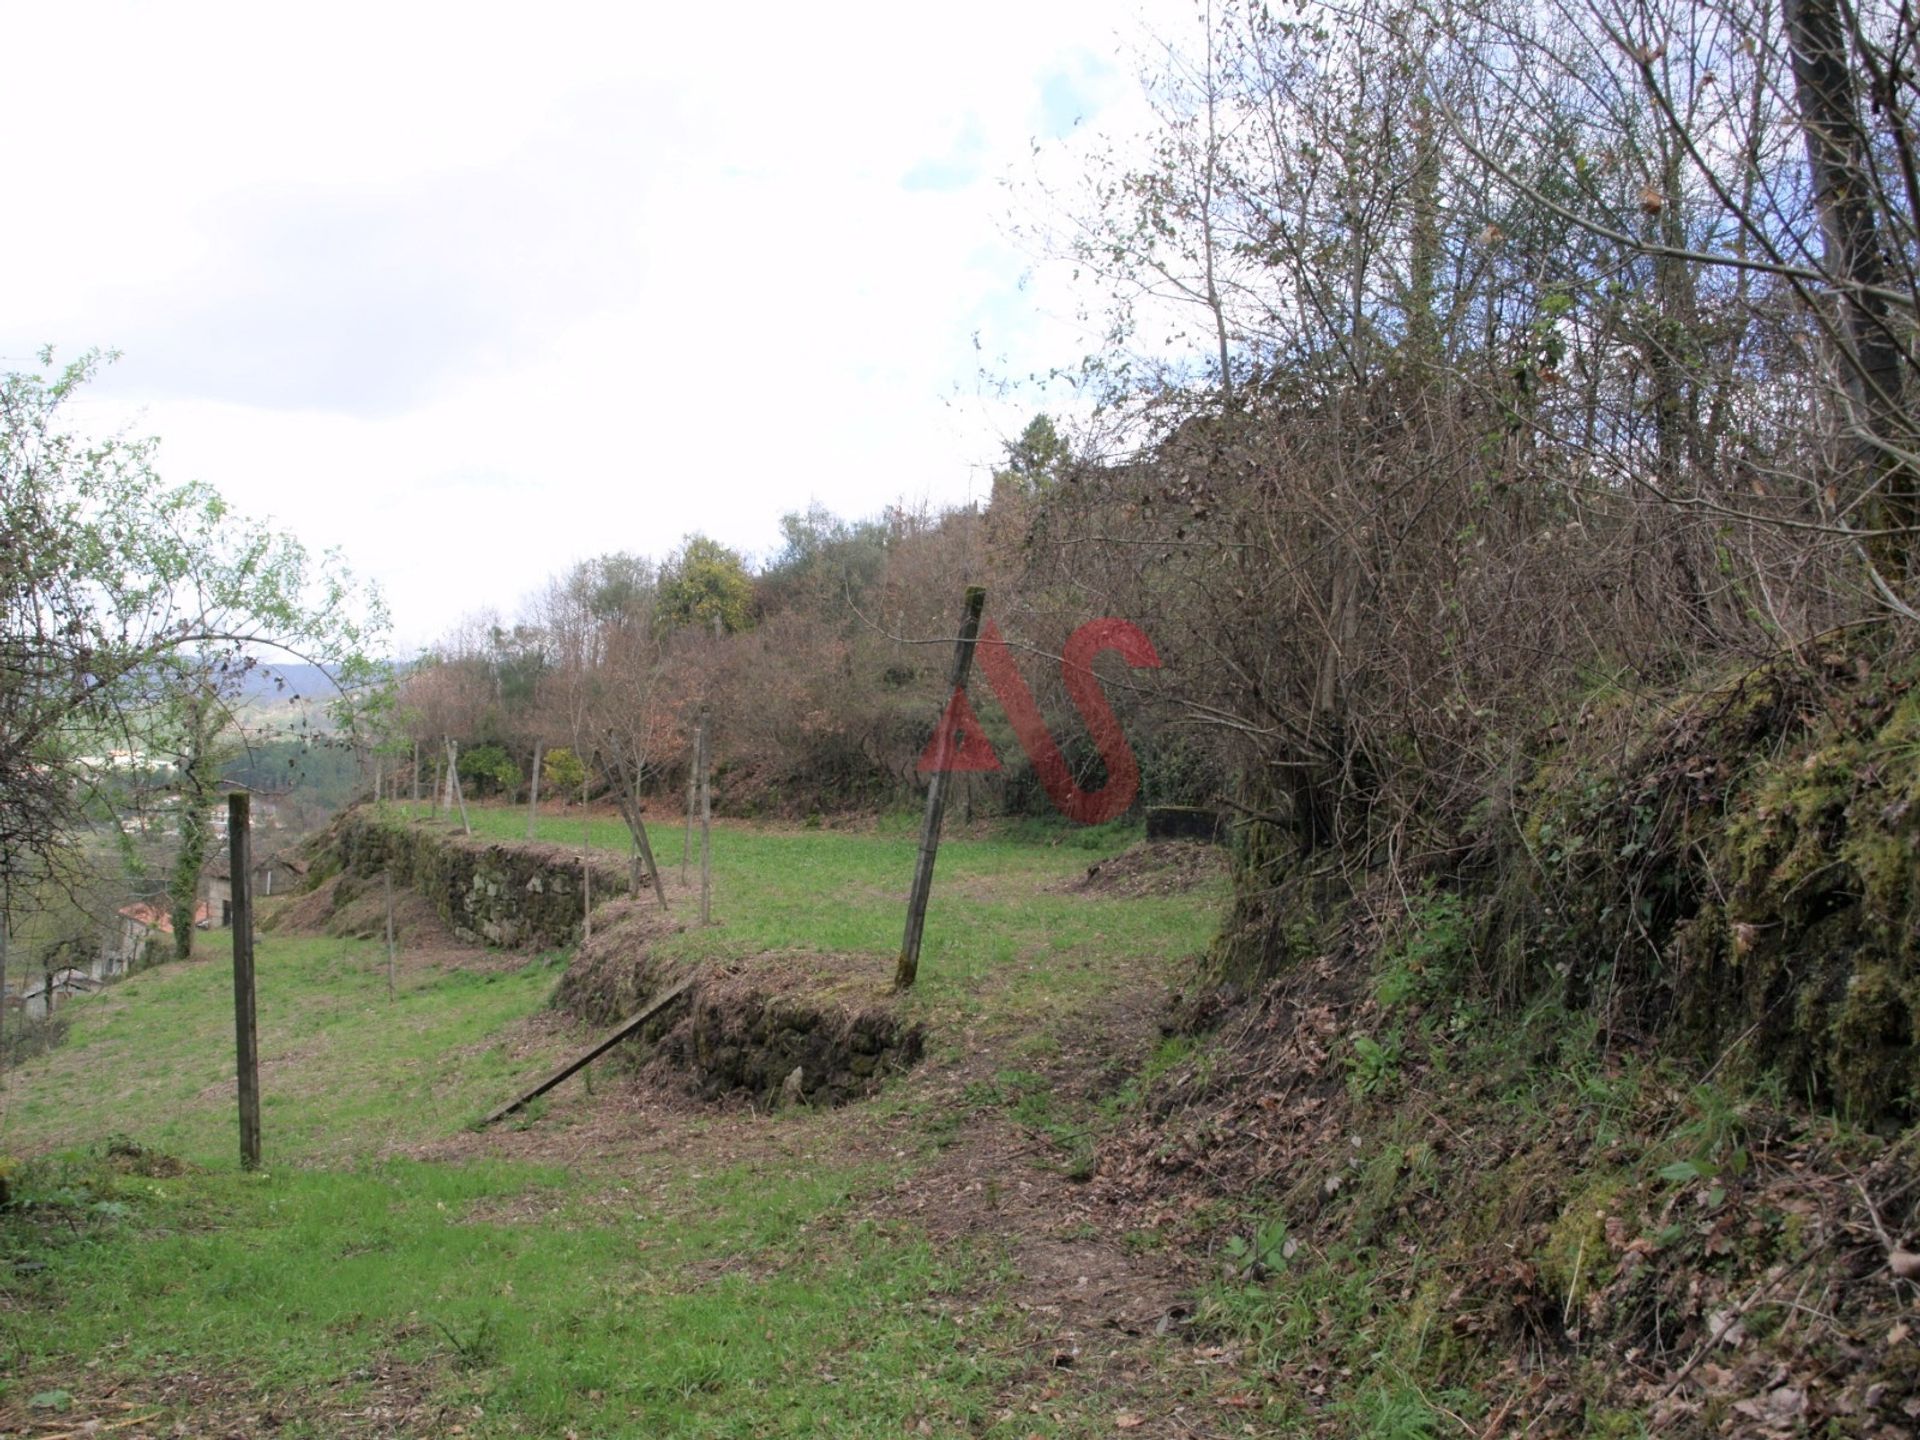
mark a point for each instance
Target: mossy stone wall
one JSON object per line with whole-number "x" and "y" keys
{"x": 514, "y": 896}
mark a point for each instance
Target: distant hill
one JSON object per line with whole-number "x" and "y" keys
{"x": 286, "y": 682}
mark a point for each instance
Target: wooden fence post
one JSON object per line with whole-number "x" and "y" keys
{"x": 642, "y": 852}
{"x": 533, "y": 804}
{"x": 909, "y": 967}
{"x": 387, "y": 875}
{"x": 706, "y": 818}
{"x": 246, "y": 1042}
{"x": 453, "y": 778}
{"x": 586, "y": 868}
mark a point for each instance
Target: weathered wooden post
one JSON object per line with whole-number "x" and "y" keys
{"x": 245, "y": 1039}
{"x": 586, "y": 868}
{"x": 641, "y": 854}
{"x": 909, "y": 967}
{"x": 706, "y": 817}
{"x": 387, "y": 875}
{"x": 459, "y": 791}
{"x": 533, "y": 803}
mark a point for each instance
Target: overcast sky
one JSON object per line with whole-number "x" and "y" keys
{"x": 474, "y": 293}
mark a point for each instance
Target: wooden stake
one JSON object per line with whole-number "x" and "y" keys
{"x": 453, "y": 779}
{"x": 594, "y": 1051}
{"x": 387, "y": 875}
{"x": 533, "y": 805}
{"x": 706, "y": 819}
{"x": 246, "y": 1042}
{"x": 586, "y": 897}
{"x": 642, "y": 851}
{"x": 909, "y": 967}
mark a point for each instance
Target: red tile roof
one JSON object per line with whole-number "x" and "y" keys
{"x": 160, "y": 917}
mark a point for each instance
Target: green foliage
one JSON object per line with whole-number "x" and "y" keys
{"x": 1428, "y": 959}
{"x": 1175, "y": 769}
{"x": 518, "y": 657}
{"x": 703, "y": 582}
{"x": 491, "y": 769}
{"x": 612, "y": 587}
{"x": 1036, "y": 460}
{"x": 563, "y": 771}
{"x": 1735, "y": 869}
{"x": 1373, "y": 1066}
{"x": 120, "y": 593}
{"x": 1262, "y": 1253}
{"x": 823, "y": 560}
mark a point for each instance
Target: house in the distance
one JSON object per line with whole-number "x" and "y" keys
{"x": 274, "y": 874}
{"x": 44, "y": 993}
{"x": 140, "y": 923}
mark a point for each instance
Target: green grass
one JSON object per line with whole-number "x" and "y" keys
{"x": 1000, "y": 940}
{"x": 153, "y": 1055}
{"x": 630, "y": 1317}
{"x": 701, "y": 1292}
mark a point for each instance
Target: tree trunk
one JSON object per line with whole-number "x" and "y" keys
{"x": 1672, "y": 352}
{"x": 196, "y": 781}
{"x": 1423, "y": 327}
{"x": 1871, "y": 368}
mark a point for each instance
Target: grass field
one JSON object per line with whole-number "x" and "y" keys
{"x": 1002, "y": 944}
{"x": 392, "y": 1273}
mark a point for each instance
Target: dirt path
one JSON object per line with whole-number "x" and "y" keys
{"x": 1102, "y": 1306}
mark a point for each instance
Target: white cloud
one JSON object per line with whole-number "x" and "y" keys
{"x": 473, "y": 292}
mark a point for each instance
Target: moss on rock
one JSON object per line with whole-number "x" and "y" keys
{"x": 515, "y": 896}
{"x": 1740, "y": 877}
